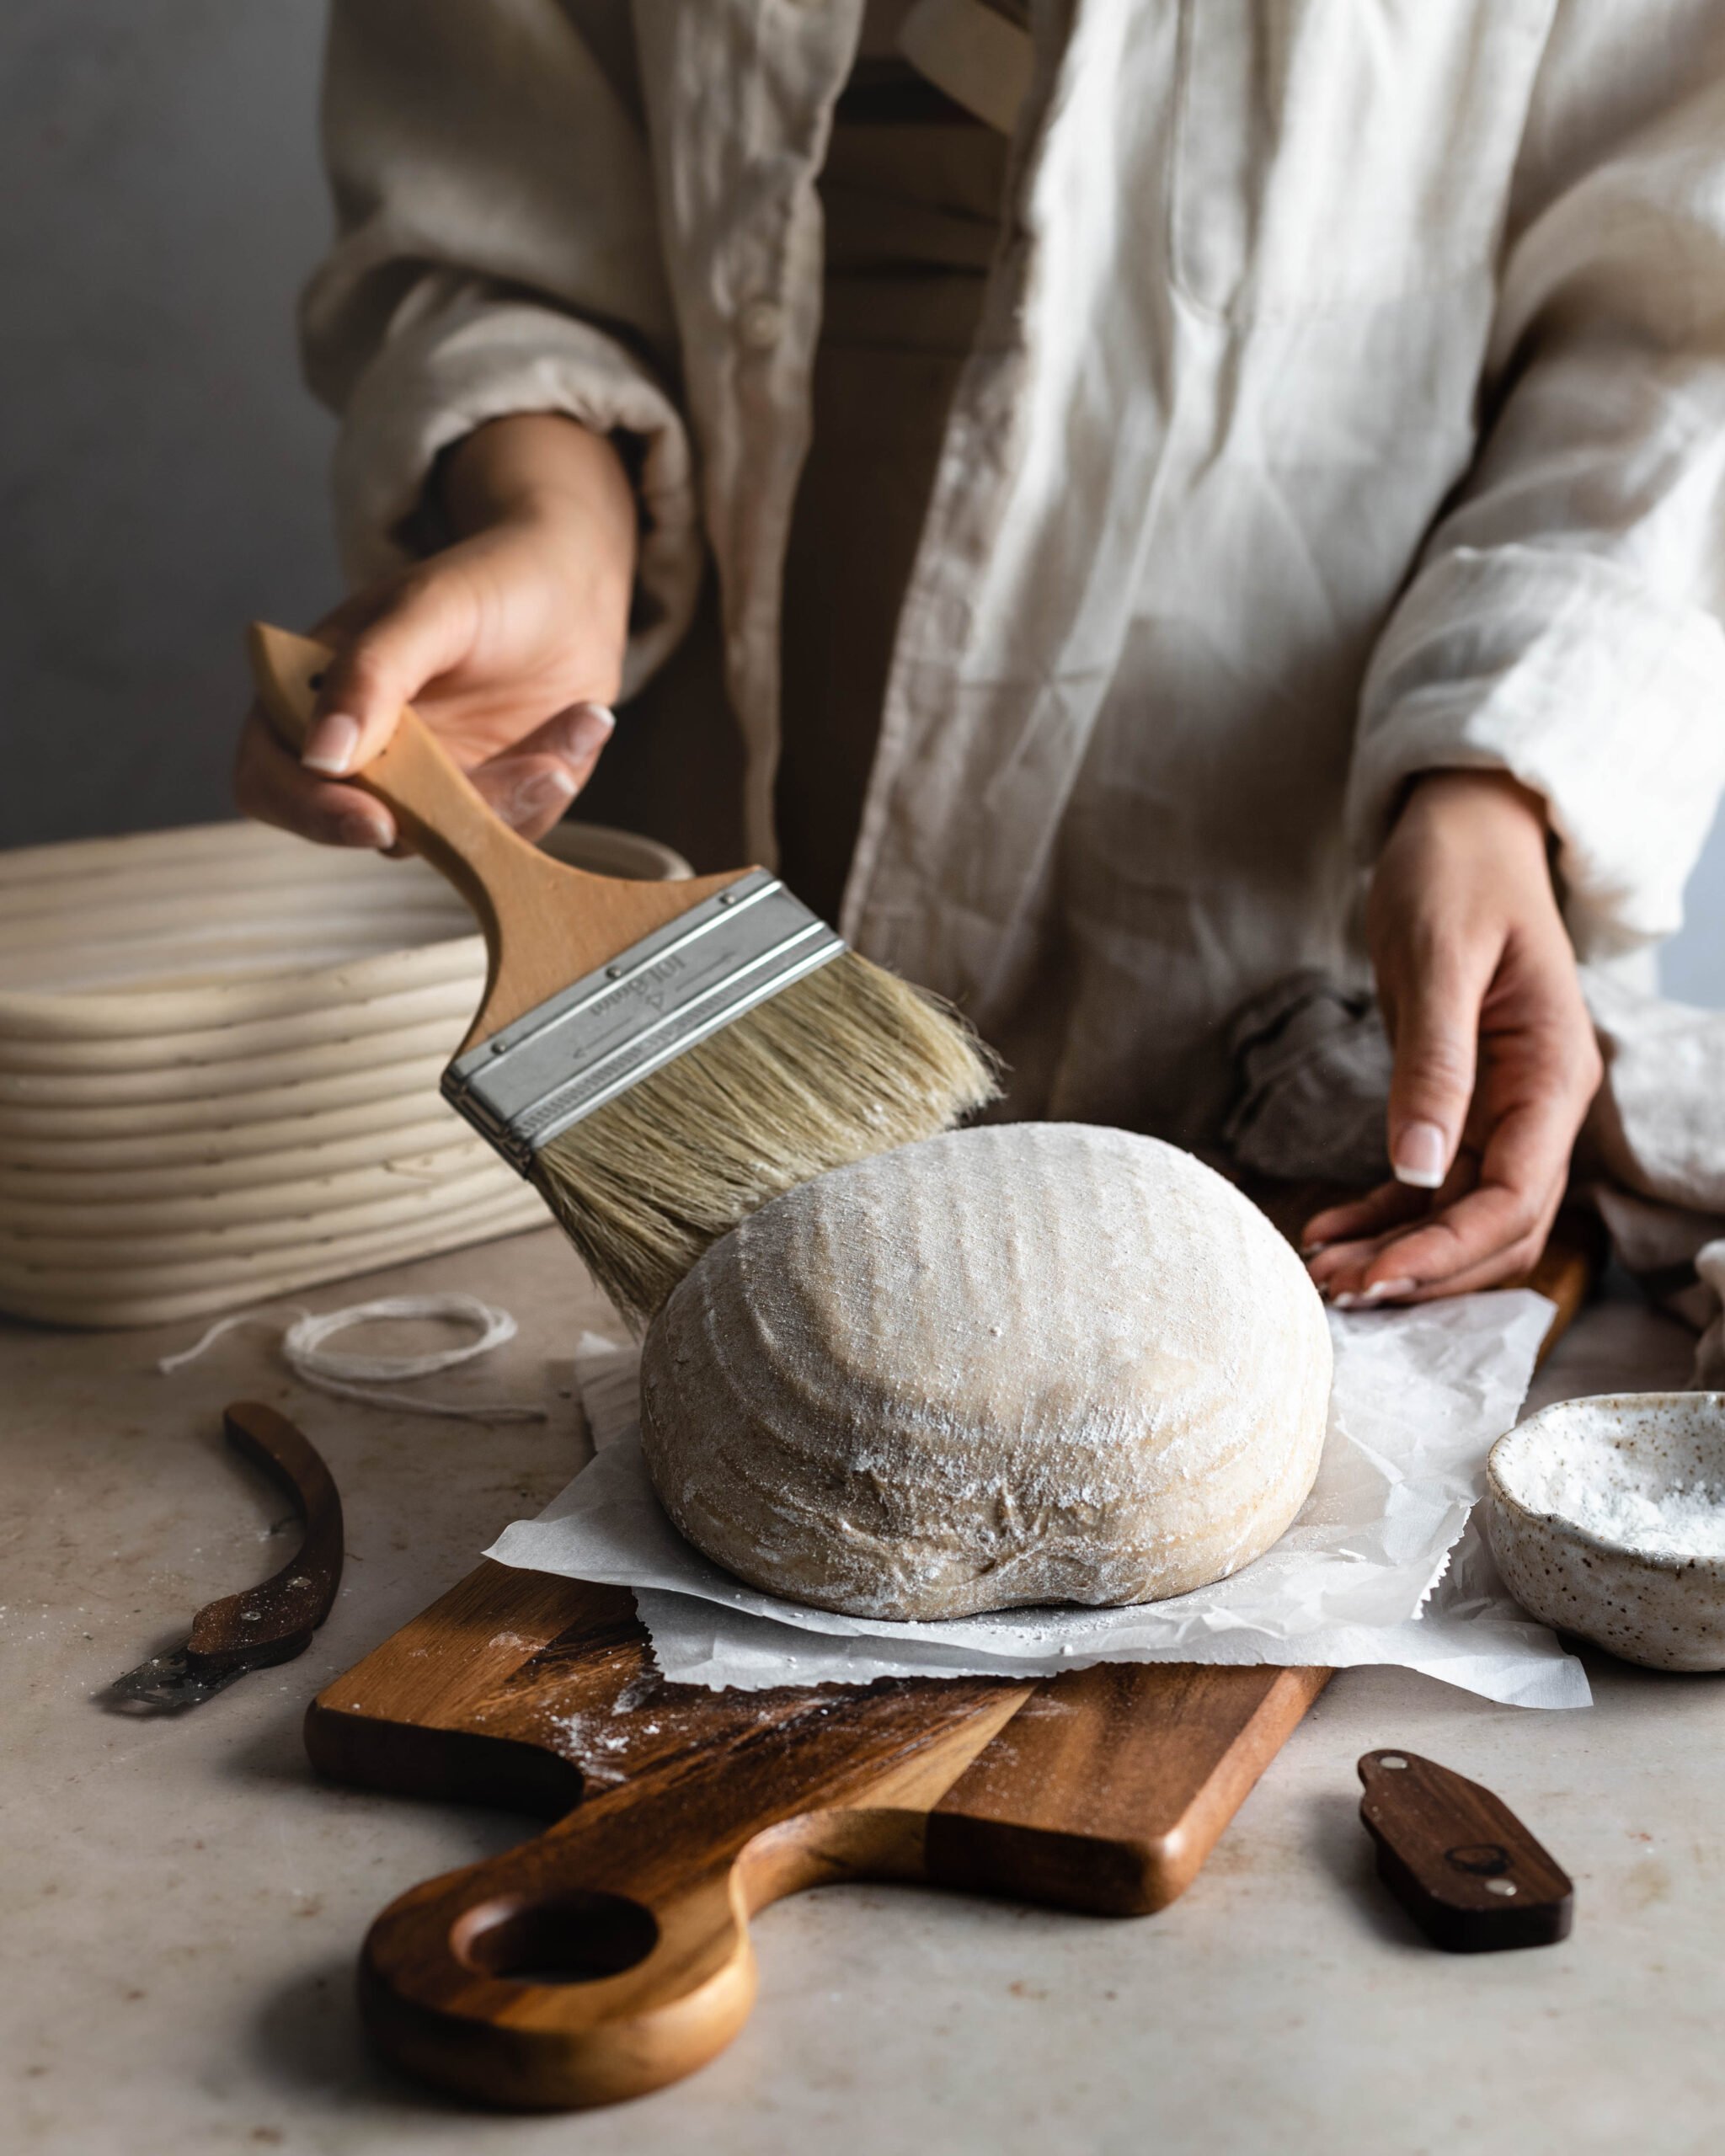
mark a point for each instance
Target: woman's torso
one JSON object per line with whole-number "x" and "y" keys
{"x": 1123, "y": 441}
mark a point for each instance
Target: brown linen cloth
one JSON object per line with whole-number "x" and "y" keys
{"x": 911, "y": 192}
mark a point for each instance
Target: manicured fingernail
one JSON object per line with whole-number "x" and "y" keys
{"x": 1312, "y": 1250}
{"x": 1388, "y": 1291}
{"x": 546, "y": 792}
{"x": 1346, "y": 1301}
{"x": 583, "y": 731}
{"x": 330, "y": 746}
{"x": 362, "y": 829}
{"x": 1421, "y": 1155}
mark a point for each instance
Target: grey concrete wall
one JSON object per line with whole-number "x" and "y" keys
{"x": 1692, "y": 965}
{"x": 161, "y": 469}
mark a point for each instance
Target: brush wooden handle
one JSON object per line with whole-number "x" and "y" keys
{"x": 545, "y": 924}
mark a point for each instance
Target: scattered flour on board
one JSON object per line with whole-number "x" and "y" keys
{"x": 593, "y": 1749}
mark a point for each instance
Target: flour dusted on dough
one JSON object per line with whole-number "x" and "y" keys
{"x": 1036, "y": 1362}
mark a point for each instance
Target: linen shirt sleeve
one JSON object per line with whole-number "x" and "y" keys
{"x": 1564, "y": 621}
{"x": 497, "y": 252}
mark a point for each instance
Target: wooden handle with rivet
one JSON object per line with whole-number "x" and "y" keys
{"x": 1458, "y": 1860}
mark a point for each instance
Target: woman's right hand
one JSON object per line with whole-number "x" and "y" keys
{"x": 509, "y": 643}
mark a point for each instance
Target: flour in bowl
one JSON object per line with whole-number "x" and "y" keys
{"x": 1606, "y": 1492}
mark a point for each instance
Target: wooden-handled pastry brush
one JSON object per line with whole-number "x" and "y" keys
{"x": 658, "y": 1058}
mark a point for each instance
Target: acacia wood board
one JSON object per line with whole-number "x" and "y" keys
{"x": 611, "y": 1954}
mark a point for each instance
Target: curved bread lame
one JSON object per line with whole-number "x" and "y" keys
{"x": 545, "y": 924}
{"x": 274, "y": 1620}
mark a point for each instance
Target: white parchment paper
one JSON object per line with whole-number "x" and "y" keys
{"x": 1381, "y": 1564}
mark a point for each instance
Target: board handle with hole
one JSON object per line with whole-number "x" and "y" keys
{"x": 561, "y": 1974}
{"x": 612, "y": 1955}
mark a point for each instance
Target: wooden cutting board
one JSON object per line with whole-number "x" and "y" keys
{"x": 611, "y": 1955}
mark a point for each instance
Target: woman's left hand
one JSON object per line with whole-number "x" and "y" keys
{"x": 1495, "y": 1057}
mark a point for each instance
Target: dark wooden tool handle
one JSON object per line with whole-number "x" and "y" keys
{"x": 1458, "y": 1860}
{"x": 545, "y": 924}
{"x": 274, "y": 1620}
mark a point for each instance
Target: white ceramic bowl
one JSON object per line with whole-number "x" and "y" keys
{"x": 1607, "y": 1517}
{"x": 220, "y": 1050}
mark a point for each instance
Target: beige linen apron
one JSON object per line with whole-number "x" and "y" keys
{"x": 1170, "y": 847}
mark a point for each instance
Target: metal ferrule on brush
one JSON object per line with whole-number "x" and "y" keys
{"x": 608, "y": 1032}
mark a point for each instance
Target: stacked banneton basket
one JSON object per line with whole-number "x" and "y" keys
{"x": 220, "y": 1050}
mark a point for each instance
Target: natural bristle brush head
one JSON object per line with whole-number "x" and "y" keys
{"x": 846, "y": 1062}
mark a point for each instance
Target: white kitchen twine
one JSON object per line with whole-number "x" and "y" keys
{"x": 332, "y": 1371}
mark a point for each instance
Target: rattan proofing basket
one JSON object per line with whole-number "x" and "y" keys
{"x": 220, "y": 1050}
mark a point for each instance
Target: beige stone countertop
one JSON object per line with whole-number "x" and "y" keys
{"x": 184, "y": 1900}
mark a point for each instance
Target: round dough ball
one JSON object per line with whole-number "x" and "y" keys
{"x": 1031, "y": 1363}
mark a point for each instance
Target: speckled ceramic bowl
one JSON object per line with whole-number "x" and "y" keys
{"x": 1649, "y": 1580}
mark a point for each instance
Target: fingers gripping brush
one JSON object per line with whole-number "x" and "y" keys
{"x": 658, "y": 1058}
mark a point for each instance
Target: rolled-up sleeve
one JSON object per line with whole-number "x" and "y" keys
{"x": 497, "y": 252}
{"x": 1564, "y": 621}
